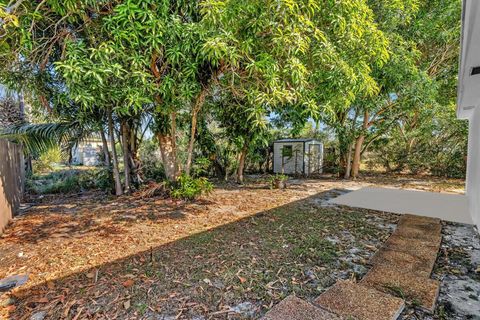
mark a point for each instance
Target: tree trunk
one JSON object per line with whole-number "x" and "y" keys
{"x": 135, "y": 174}
{"x": 116, "y": 172}
{"x": 241, "y": 163}
{"x": 126, "y": 155}
{"x": 348, "y": 163}
{"x": 168, "y": 155}
{"x": 267, "y": 164}
{"x": 357, "y": 156}
{"x": 196, "y": 109}
{"x": 219, "y": 170}
{"x": 106, "y": 153}
{"x": 358, "y": 147}
{"x": 28, "y": 165}
{"x": 173, "y": 134}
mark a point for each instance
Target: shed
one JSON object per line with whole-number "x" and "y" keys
{"x": 297, "y": 156}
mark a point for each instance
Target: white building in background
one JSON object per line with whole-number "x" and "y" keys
{"x": 297, "y": 156}
{"x": 468, "y": 100}
{"x": 88, "y": 152}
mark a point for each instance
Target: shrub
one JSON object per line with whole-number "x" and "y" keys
{"x": 67, "y": 181}
{"x": 189, "y": 188}
{"x": 66, "y": 184}
{"x": 99, "y": 178}
{"x": 201, "y": 167}
{"x": 278, "y": 181}
{"x": 45, "y": 161}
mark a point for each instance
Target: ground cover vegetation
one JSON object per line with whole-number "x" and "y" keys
{"x": 181, "y": 90}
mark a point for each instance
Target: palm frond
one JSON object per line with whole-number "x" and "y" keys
{"x": 38, "y": 138}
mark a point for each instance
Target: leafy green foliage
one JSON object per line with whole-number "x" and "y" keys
{"x": 276, "y": 180}
{"x": 201, "y": 167}
{"x": 40, "y": 138}
{"x": 46, "y": 160}
{"x": 370, "y": 71}
{"x": 189, "y": 188}
{"x": 70, "y": 180}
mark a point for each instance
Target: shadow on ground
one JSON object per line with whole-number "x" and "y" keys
{"x": 234, "y": 271}
{"x": 74, "y": 218}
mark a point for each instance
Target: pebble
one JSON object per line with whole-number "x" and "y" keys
{"x": 245, "y": 309}
{"x": 39, "y": 315}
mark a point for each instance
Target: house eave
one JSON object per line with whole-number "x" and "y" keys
{"x": 468, "y": 97}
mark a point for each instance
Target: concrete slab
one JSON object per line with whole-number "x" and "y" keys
{"x": 351, "y": 300}
{"x": 445, "y": 206}
{"x": 293, "y": 308}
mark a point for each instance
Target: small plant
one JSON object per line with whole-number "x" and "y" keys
{"x": 278, "y": 181}
{"x": 397, "y": 291}
{"x": 189, "y": 188}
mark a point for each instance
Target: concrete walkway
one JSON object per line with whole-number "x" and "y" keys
{"x": 400, "y": 271}
{"x": 444, "y": 206}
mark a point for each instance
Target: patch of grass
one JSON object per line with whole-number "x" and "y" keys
{"x": 396, "y": 291}
{"x": 203, "y": 238}
{"x": 415, "y": 303}
{"x": 141, "y": 307}
{"x": 315, "y": 249}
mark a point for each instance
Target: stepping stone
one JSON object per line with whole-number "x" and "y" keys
{"x": 420, "y": 265}
{"x": 409, "y": 232}
{"x": 9, "y": 283}
{"x": 420, "y": 290}
{"x": 293, "y": 308}
{"x": 351, "y": 300}
{"x": 424, "y": 247}
{"x": 419, "y": 219}
{"x": 432, "y": 228}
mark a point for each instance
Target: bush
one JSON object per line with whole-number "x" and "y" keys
{"x": 201, "y": 167}
{"x": 278, "y": 181}
{"x": 189, "y": 188}
{"x": 60, "y": 182}
{"x": 45, "y": 161}
{"x": 100, "y": 178}
{"x": 67, "y": 181}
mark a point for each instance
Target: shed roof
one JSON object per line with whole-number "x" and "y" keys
{"x": 295, "y": 140}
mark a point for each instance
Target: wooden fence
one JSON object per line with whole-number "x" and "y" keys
{"x": 12, "y": 177}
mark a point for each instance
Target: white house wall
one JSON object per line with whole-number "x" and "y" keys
{"x": 289, "y": 162}
{"x": 87, "y": 153}
{"x": 473, "y": 167}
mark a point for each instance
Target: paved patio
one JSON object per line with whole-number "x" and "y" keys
{"x": 444, "y": 206}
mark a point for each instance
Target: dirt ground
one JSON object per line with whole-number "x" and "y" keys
{"x": 230, "y": 255}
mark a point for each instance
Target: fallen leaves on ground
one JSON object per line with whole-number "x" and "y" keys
{"x": 235, "y": 252}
